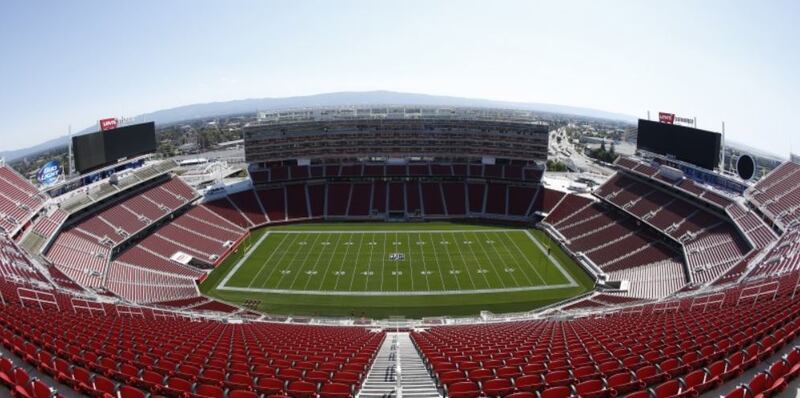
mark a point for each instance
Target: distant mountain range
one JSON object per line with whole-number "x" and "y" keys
{"x": 213, "y": 109}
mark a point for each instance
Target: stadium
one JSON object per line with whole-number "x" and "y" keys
{"x": 399, "y": 250}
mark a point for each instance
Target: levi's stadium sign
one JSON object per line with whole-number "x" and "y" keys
{"x": 108, "y": 123}
{"x": 670, "y": 118}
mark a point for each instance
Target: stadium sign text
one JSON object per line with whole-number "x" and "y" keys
{"x": 48, "y": 174}
{"x": 664, "y": 117}
{"x": 685, "y": 121}
{"x": 108, "y": 123}
{"x": 670, "y": 118}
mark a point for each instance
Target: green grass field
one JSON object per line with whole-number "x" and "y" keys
{"x": 388, "y": 269}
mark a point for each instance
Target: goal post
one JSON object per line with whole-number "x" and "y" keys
{"x": 240, "y": 251}
{"x": 248, "y": 243}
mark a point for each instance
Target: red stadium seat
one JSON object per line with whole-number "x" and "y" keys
{"x": 335, "y": 390}
{"x": 776, "y": 377}
{"x": 327, "y": 367}
{"x": 750, "y": 356}
{"x": 556, "y": 392}
{"x": 558, "y": 378}
{"x": 673, "y": 367}
{"x": 534, "y": 369}
{"x": 42, "y": 390}
{"x": 673, "y": 389}
{"x": 498, "y": 387}
{"x": 301, "y": 389}
{"x": 22, "y": 383}
{"x": 290, "y": 374}
{"x": 464, "y": 389}
{"x": 759, "y": 384}
{"x": 150, "y": 380}
{"x": 451, "y": 377}
{"x": 317, "y": 376}
{"x": 530, "y": 383}
{"x": 594, "y": 389}
{"x": 241, "y": 394}
{"x": 701, "y": 380}
{"x": 693, "y": 360}
{"x": 177, "y": 387}
{"x": 270, "y": 386}
{"x": 348, "y": 378}
{"x": 188, "y": 372}
{"x": 793, "y": 362}
{"x": 238, "y": 381}
{"x": 45, "y": 363}
{"x": 208, "y": 391}
{"x": 466, "y": 366}
{"x": 63, "y": 372}
{"x": 733, "y": 366}
{"x": 650, "y": 375}
{"x": 611, "y": 368}
{"x": 211, "y": 376}
{"x": 102, "y": 387}
{"x": 522, "y": 394}
{"x": 585, "y": 373}
{"x": 130, "y": 392}
{"x": 508, "y": 372}
{"x": 625, "y": 382}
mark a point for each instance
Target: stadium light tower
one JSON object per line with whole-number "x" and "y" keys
{"x": 722, "y": 148}
{"x": 70, "y": 156}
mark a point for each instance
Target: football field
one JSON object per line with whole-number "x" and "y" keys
{"x": 387, "y": 269}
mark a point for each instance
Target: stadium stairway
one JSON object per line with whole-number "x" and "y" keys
{"x": 382, "y": 379}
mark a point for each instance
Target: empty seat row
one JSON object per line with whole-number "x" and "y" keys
{"x": 281, "y": 173}
{"x": 300, "y": 201}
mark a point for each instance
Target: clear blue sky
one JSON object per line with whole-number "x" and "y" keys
{"x": 72, "y": 62}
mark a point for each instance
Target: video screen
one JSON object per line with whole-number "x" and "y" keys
{"x": 687, "y": 144}
{"x": 96, "y": 150}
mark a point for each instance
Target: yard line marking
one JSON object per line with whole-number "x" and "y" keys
{"x": 436, "y": 259}
{"x": 507, "y": 262}
{"x": 369, "y": 264}
{"x": 411, "y": 267}
{"x": 522, "y": 254}
{"x": 265, "y": 264}
{"x": 396, "y": 273}
{"x": 452, "y": 266}
{"x": 291, "y": 263}
{"x": 477, "y": 238}
{"x": 330, "y": 260}
{"x": 383, "y": 261}
{"x": 325, "y": 244}
{"x": 493, "y": 257}
{"x": 349, "y": 244}
{"x": 354, "y": 270}
{"x": 464, "y": 261}
{"x": 278, "y": 262}
{"x": 419, "y": 245}
{"x": 515, "y": 257}
{"x": 397, "y": 265}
